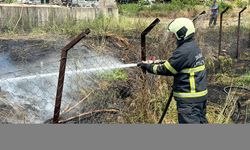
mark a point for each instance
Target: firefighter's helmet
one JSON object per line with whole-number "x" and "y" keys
{"x": 182, "y": 28}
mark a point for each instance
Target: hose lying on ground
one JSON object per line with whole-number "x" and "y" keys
{"x": 237, "y": 113}
{"x": 227, "y": 88}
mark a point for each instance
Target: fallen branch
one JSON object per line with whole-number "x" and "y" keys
{"x": 69, "y": 109}
{"x": 89, "y": 113}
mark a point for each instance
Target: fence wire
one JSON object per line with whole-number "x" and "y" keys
{"x": 28, "y": 80}
{"x": 94, "y": 84}
{"x": 244, "y": 40}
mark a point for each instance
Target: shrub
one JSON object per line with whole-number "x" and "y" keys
{"x": 117, "y": 74}
{"x": 143, "y": 5}
{"x": 245, "y": 79}
{"x": 9, "y": 1}
{"x": 128, "y": 9}
{"x": 226, "y": 63}
{"x": 223, "y": 5}
{"x": 240, "y": 3}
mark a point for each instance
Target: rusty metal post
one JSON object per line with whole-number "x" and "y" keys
{"x": 221, "y": 17}
{"x": 143, "y": 58}
{"x": 238, "y": 33}
{"x": 64, "y": 53}
{"x": 196, "y": 17}
{"x": 248, "y": 45}
{"x": 143, "y": 50}
{"x": 143, "y": 40}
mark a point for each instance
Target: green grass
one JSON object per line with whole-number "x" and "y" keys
{"x": 240, "y": 3}
{"x": 128, "y": 9}
{"x": 225, "y": 79}
{"x": 134, "y": 9}
{"x": 244, "y": 79}
{"x": 139, "y": 8}
{"x": 117, "y": 74}
{"x": 101, "y": 26}
{"x": 9, "y": 1}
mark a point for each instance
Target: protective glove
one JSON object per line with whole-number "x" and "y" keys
{"x": 144, "y": 65}
{"x": 159, "y": 61}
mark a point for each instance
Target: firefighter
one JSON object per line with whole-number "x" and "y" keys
{"x": 187, "y": 65}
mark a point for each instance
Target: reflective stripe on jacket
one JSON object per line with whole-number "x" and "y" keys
{"x": 187, "y": 65}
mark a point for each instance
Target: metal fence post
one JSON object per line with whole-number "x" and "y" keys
{"x": 144, "y": 57}
{"x": 220, "y": 32}
{"x": 238, "y": 34}
{"x": 64, "y": 53}
{"x": 143, "y": 39}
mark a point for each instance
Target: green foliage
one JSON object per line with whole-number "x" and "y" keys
{"x": 224, "y": 5}
{"x": 128, "y": 9}
{"x": 142, "y": 5}
{"x": 143, "y": 2}
{"x": 68, "y": 26}
{"x": 9, "y": 1}
{"x": 186, "y": 2}
{"x": 100, "y": 26}
{"x": 162, "y": 7}
{"x": 117, "y": 74}
{"x": 175, "y": 6}
{"x": 240, "y": 3}
{"x": 8, "y": 28}
{"x": 244, "y": 80}
{"x": 210, "y": 65}
{"x": 222, "y": 78}
{"x": 226, "y": 64}
{"x": 208, "y": 3}
{"x": 225, "y": 79}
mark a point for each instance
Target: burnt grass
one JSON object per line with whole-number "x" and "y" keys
{"x": 120, "y": 94}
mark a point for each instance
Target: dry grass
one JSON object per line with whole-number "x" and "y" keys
{"x": 145, "y": 103}
{"x": 228, "y": 108}
{"x": 10, "y": 112}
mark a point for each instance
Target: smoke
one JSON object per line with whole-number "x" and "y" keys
{"x": 33, "y": 85}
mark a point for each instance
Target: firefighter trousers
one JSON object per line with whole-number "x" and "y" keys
{"x": 191, "y": 113}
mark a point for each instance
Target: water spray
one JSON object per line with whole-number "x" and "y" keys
{"x": 69, "y": 72}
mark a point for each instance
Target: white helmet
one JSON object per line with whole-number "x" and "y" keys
{"x": 182, "y": 28}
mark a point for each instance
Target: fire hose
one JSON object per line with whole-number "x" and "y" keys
{"x": 239, "y": 106}
{"x": 152, "y": 60}
{"x": 227, "y": 88}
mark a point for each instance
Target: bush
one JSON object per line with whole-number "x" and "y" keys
{"x": 143, "y": 5}
{"x": 128, "y": 9}
{"x": 186, "y": 2}
{"x": 9, "y": 1}
{"x": 226, "y": 63}
{"x": 117, "y": 74}
{"x": 240, "y": 3}
{"x": 245, "y": 79}
{"x": 223, "y": 5}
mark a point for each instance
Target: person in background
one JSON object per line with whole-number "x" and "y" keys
{"x": 214, "y": 13}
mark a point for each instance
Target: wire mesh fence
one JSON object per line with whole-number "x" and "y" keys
{"x": 28, "y": 77}
{"x": 96, "y": 82}
{"x": 93, "y": 79}
{"x": 244, "y": 38}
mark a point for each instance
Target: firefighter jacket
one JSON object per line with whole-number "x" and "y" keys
{"x": 187, "y": 65}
